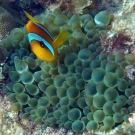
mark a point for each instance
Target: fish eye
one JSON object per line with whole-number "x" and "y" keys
{"x": 42, "y": 44}
{"x": 133, "y": 73}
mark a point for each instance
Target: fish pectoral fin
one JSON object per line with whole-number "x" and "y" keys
{"x": 61, "y": 38}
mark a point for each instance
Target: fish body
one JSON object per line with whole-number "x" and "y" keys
{"x": 41, "y": 41}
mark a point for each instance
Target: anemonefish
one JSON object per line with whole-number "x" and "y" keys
{"x": 41, "y": 41}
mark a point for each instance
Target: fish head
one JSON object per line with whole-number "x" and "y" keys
{"x": 42, "y": 52}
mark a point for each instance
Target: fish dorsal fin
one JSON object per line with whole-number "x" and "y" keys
{"x": 30, "y": 17}
{"x": 61, "y": 38}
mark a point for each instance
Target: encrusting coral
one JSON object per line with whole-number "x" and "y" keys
{"x": 7, "y": 22}
{"x": 84, "y": 89}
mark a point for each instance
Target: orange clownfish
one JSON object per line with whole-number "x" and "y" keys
{"x": 41, "y": 41}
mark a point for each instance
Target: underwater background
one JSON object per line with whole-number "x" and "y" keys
{"x": 67, "y": 67}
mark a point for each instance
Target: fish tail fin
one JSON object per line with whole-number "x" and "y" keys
{"x": 61, "y": 38}
{"x": 30, "y": 17}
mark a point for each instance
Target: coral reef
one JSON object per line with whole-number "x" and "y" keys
{"x": 5, "y": 4}
{"x": 84, "y": 89}
{"x": 7, "y": 22}
{"x": 11, "y": 124}
{"x": 75, "y": 6}
{"x": 29, "y": 6}
{"x": 121, "y": 35}
{"x": 2, "y": 55}
{"x": 114, "y": 6}
{"x": 79, "y": 89}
